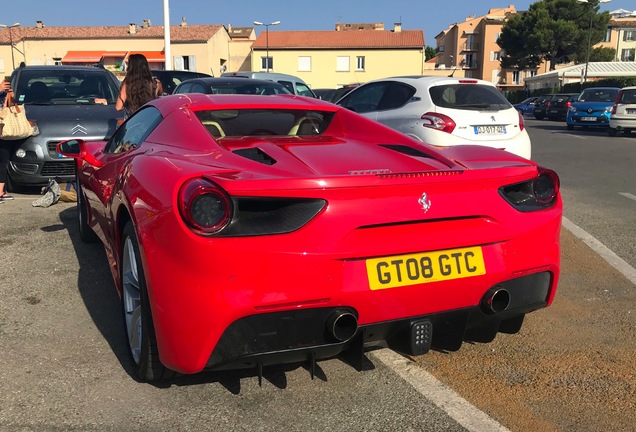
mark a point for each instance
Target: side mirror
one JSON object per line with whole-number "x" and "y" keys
{"x": 76, "y": 148}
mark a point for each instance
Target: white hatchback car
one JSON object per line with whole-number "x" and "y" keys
{"x": 443, "y": 111}
{"x": 623, "y": 115}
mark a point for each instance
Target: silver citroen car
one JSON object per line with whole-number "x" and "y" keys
{"x": 64, "y": 102}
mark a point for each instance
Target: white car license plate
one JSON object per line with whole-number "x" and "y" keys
{"x": 490, "y": 130}
{"x": 588, "y": 118}
{"x": 630, "y": 111}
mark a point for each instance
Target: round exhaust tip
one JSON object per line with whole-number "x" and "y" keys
{"x": 496, "y": 300}
{"x": 342, "y": 325}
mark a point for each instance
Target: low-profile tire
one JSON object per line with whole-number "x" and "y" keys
{"x": 87, "y": 235}
{"x": 611, "y": 131}
{"x": 538, "y": 117}
{"x": 570, "y": 127}
{"x": 138, "y": 324}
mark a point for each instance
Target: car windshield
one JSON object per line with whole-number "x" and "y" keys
{"x": 65, "y": 87}
{"x": 598, "y": 95}
{"x": 255, "y": 122}
{"x": 469, "y": 97}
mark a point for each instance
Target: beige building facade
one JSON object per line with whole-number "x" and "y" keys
{"x": 351, "y": 54}
{"x": 201, "y": 48}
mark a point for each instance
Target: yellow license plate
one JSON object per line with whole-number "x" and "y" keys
{"x": 412, "y": 269}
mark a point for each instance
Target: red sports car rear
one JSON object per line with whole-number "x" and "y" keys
{"x": 244, "y": 231}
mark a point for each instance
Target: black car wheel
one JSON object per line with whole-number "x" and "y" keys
{"x": 138, "y": 323}
{"x": 570, "y": 127}
{"x": 87, "y": 235}
{"x": 611, "y": 132}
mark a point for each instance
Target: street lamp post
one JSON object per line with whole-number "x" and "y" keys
{"x": 258, "y": 23}
{"x": 11, "y": 39}
{"x": 589, "y": 39}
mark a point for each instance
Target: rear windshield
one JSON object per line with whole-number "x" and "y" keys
{"x": 598, "y": 95}
{"x": 65, "y": 87}
{"x": 469, "y": 97}
{"x": 255, "y": 122}
{"x": 248, "y": 88}
{"x": 628, "y": 96}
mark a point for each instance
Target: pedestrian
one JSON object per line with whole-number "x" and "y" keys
{"x": 139, "y": 86}
{"x": 5, "y": 154}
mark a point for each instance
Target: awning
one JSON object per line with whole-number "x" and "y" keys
{"x": 151, "y": 56}
{"x": 90, "y": 56}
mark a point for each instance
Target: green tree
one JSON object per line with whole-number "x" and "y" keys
{"x": 556, "y": 31}
{"x": 429, "y": 53}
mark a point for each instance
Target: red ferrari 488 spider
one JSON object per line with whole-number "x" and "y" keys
{"x": 244, "y": 231}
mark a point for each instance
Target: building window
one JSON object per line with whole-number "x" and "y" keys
{"x": 531, "y": 73}
{"x": 497, "y": 36}
{"x": 1, "y": 64}
{"x": 304, "y": 64}
{"x": 342, "y": 64}
{"x": 360, "y": 63}
{"x": 516, "y": 77}
{"x": 627, "y": 54}
{"x": 608, "y": 35}
{"x": 495, "y": 55}
{"x": 187, "y": 63}
{"x": 629, "y": 35}
{"x": 267, "y": 63}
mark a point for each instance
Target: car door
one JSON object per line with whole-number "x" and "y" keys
{"x": 393, "y": 109}
{"x": 103, "y": 182}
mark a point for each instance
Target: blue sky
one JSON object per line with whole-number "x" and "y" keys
{"x": 428, "y": 15}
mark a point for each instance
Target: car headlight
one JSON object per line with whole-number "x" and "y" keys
{"x": 20, "y": 153}
{"x": 572, "y": 109}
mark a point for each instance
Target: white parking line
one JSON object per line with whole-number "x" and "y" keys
{"x": 583, "y": 137}
{"x": 628, "y": 195}
{"x": 458, "y": 408}
{"x": 612, "y": 259}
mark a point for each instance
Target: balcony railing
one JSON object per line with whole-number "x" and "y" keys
{"x": 470, "y": 46}
{"x": 473, "y": 64}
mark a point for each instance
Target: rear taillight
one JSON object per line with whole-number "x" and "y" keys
{"x": 438, "y": 121}
{"x": 204, "y": 206}
{"x": 538, "y": 193}
{"x": 568, "y": 104}
{"x": 522, "y": 124}
{"x": 614, "y": 109}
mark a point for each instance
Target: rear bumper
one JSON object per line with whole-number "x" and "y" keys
{"x": 304, "y": 335}
{"x": 622, "y": 122}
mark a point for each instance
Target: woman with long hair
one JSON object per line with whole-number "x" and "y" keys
{"x": 139, "y": 86}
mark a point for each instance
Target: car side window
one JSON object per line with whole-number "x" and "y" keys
{"x": 303, "y": 90}
{"x": 396, "y": 95}
{"x": 184, "y": 88}
{"x": 289, "y": 85}
{"x": 366, "y": 98}
{"x": 134, "y": 131}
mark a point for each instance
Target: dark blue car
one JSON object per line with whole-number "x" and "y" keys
{"x": 592, "y": 108}
{"x": 526, "y": 106}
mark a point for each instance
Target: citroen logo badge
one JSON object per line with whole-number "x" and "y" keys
{"x": 424, "y": 202}
{"x": 78, "y": 128}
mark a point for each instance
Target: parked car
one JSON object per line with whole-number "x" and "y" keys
{"x": 443, "y": 111}
{"x": 592, "y": 108}
{"x": 65, "y": 102}
{"x": 334, "y": 95}
{"x": 278, "y": 240}
{"x": 170, "y": 79}
{"x": 559, "y": 105}
{"x": 541, "y": 106}
{"x": 230, "y": 85}
{"x": 623, "y": 114}
{"x": 293, "y": 83}
{"x": 526, "y": 106}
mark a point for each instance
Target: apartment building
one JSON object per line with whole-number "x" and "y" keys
{"x": 471, "y": 46}
{"x": 350, "y": 54}
{"x": 203, "y": 48}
